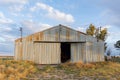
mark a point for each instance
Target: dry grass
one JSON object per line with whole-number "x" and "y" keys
{"x": 99, "y": 70}
{"x": 15, "y": 70}
{"x": 25, "y": 70}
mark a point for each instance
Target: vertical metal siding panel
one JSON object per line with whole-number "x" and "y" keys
{"x": 84, "y": 52}
{"x": 36, "y": 52}
{"x": 32, "y": 51}
{"x": 59, "y": 53}
{"x": 76, "y": 37}
{"x": 39, "y": 54}
{"x": 72, "y": 53}
{"x": 94, "y": 52}
{"x": 87, "y": 57}
{"x": 71, "y": 35}
{"x": 101, "y": 50}
{"x": 53, "y": 54}
{"x": 26, "y": 51}
{"x": 42, "y": 52}
{"x": 52, "y": 57}
{"x": 29, "y": 53}
{"x": 88, "y": 53}
{"x": 45, "y": 59}
{"x": 78, "y": 52}
{"x": 75, "y": 53}
{"x": 16, "y": 50}
{"x": 51, "y": 34}
{"x": 63, "y": 34}
{"x": 19, "y": 51}
{"x": 23, "y": 50}
{"x": 49, "y": 53}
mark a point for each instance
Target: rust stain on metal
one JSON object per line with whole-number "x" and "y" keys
{"x": 36, "y": 36}
{"x": 18, "y": 40}
{"x": 49, "y": 52}
{"x": 21, "y": 51}
{"x": 67, "y": 34}
{"x": 41, "y": 36}
{"x": 57, "y": 36}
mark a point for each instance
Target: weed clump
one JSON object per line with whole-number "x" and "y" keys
{"x": 16, "y": 70}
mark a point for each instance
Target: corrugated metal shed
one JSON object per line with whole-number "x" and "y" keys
{"x": 45, "y": 47}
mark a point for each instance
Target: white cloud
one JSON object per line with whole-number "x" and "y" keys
{"x": 2, "y": 15}
{"x": 16, "y": 8}
{"x": 13, "y": 5}
{"x": 106, "y": 26}
{"x": 53, "y": 13}
{"x": 2, "y": 39}
{"x": 34, "y": 26}
{"x": 6, "y": 29}
{"x": 82, "y": 29}
{"x": 8, "y": 37}
{"x": 4, "y": 20}
{"x": 13, "y": 1}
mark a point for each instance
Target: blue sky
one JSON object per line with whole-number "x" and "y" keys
{"x": 36, "y": 15}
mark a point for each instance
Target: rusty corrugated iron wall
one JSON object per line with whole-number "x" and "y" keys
{"x": 49, "y": 53}
{"x": 44, "y": 47}
{"x": 78, "y": 52}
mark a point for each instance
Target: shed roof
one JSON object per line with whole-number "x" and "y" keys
{"x": 53, "y": 28}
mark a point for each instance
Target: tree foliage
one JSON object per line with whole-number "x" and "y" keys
{"x": 97, "y": 32}
{"x": 91, "y": 30}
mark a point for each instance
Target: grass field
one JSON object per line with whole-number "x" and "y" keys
{"x": 25, "y": 70}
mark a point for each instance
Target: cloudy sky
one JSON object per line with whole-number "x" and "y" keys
{"x": 36, "y": 15}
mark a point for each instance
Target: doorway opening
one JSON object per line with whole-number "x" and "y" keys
{"x": 65, "y": 52}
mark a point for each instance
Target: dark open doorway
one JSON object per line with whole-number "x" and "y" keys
{"x": 65, "y": 52}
